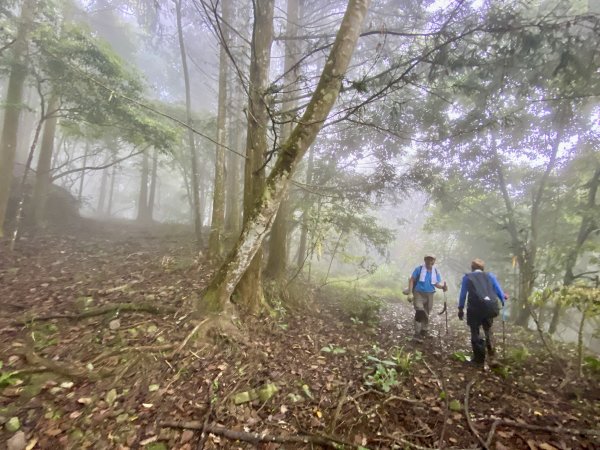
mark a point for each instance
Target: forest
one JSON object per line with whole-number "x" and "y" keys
{"x": 300, "y": 224}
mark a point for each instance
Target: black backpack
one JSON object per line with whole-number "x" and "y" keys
{"x": 482, "y": 298}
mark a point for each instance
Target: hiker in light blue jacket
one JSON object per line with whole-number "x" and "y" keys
{"x": 421, "y": 288}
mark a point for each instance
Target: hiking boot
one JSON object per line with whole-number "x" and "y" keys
{"x": 491, "y": 351}
{"x": 424, "y": 333}
{"x": 417, "y": 338}
{"x": 476, "y": 364}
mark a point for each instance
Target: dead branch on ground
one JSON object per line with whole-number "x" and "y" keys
{"x": 256, "y": 438}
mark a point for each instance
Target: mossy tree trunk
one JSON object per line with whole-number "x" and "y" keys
{"x": 260, "y": 218}
{"x": 249, "y": 291}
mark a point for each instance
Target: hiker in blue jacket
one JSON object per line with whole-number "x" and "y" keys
{"x": 421, "y": 287}
{"x": 480, "y": 289}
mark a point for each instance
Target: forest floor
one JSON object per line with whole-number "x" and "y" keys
{"x": 93, "y": 328}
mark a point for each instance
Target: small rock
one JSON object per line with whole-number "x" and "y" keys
{"x": 17, "y": 442}
{"x": 13, "y": 424}
{"x": 187, "y": 436}
{"x": 114, "y": 324}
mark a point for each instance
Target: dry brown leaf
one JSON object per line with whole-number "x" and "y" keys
{"x": 546, "y": 446}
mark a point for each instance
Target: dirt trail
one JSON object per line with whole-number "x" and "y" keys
{"x": 108, "y": 381}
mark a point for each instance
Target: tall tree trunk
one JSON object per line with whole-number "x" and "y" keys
{"x": 111, "y": 191}
{"x": 278, "y": 248}
{"x": 142, "y": 215}
{"x": 192, "y": 145}
{"x": 85, "y": 156}
{"x": 42, "y": 177}
{"x": 233, "y": 217}
{"x": 153, "y": 182}
{"x": 249, "y": 291}
{"x": 218, "y": 211}
{"x": 306, "y": 210}
{"x": 260, "y": 218}
{"x": 100, "y": 210}
{"x": 14, "y": 97}
{"x": 586, "y": 227}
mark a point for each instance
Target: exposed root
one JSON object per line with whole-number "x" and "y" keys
{"x": 468, "y": 416}
{"x": 106, "y": 309}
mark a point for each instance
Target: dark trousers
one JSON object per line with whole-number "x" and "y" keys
{"x": 480, "y": 345}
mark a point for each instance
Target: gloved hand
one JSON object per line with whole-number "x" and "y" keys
{"x": 410, "y": 297}
{"x": 461, "y": 313}
{"x": 445, "y": 288}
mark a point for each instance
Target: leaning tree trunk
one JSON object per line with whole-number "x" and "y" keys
{"x": 249, "y": 291}
{"x": 12, "y": 112}
{"x": 218, "y": 212}
{"x": 192, "y": 145}
{"x": 43, "y": 181}
{"x": 261, "y": 217}
{"x": 278, "y": 248}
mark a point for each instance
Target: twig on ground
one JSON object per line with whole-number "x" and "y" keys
{"x": 557, "y": 430}
{"x": 121, "y": 307}
{"x": 187, "y": 338}
{"x": 341, "y": 401}
{"x": 446, "y": 415}
{"x": 211, "y": 406}
{"x": 468, "y": 417}
{"x": 256, "y": 438}
{"x": 490, "y": 437}
{"x": 406, "y": 442}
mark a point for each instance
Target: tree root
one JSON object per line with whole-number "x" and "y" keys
{"x": 526, "y": 426}
{"x": 256, "y": 438}
{"x": 69, "y": 370}
{"x": 121, "y": 307}
{"x": 142, "y": 348}
{"x": 468, "y": 416}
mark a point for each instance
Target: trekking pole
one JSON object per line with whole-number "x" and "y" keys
{"x": 446, "y": 310}
{"x": 504, "y": 330}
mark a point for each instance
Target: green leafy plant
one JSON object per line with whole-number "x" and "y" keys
{"x": 333, "y": 349}
{"x": 518, "y": 355}
{"x": 383, "y": 378}
{"x": 460, "y": 356}
{"x": 592, "y": 364}
{"x": 404, "y": 359}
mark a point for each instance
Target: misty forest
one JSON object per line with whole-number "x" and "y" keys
{"x": 300, "y": 224}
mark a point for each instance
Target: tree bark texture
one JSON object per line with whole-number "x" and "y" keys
{"x": 218, "y": 211}
{"x": 586, "y": 227}
{"x": 14, "y": 97}
{"x": 192, "y": 146}
{"x": 44, "y": 165}
{"x": 249, "y": 291}
{"x": 278, "y": 241}
{"x": 153, "y": 182}
{"x": 233, "y": 218}
{"x": 142, "y": 215}
{"x": 260, "y": 219}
